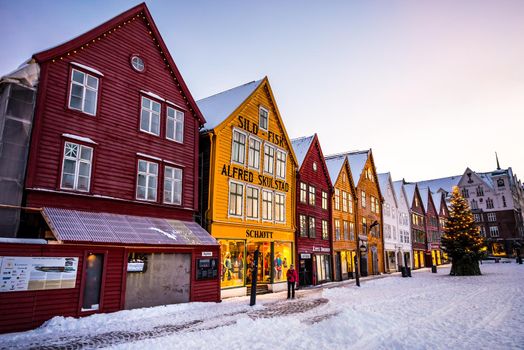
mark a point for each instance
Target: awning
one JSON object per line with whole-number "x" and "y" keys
{"x": 82, "y": 226}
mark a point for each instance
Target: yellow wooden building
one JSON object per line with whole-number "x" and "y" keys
{"x": 248, "y": 186}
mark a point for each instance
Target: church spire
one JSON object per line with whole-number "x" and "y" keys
{"x": 497, "y": 157}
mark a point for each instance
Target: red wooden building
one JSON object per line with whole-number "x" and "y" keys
{"x": 314, "y": 192}
{"x": 432, "y": 231}
{"x": 111, "y": 179}
{"x": 418, "y": 226}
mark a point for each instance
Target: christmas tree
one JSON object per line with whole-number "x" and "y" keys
{"x": 462, "y": 240}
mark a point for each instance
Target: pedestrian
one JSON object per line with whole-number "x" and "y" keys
{"x": 292, "y": 279}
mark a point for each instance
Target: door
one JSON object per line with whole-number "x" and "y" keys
{"x": 374, "y": 261}
{"x": 415, "y": 260}
{"x": 264, "y": 261}
{"x": 93, "y": 282}
{"x": 363, "y": 264}
{"x": 337, "y": 266}
{"x": 305, "y": 270}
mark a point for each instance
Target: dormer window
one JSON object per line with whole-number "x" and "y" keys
{"x": 263, "y": 117}
{"x": 137, "y": 63}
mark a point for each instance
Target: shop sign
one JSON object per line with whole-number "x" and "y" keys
{"x": 321, "y": 249}
{"x": 237, "y": 173}
{"x": 207, "y": 253}
{"x": 18, "y": 273}
{"x": 135, "y": 267}
{"x": 305, "y": 256}
{"x": 253, "y": 128}
{"x": 259, "y": 234}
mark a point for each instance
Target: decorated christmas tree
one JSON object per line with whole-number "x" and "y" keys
{"x": 462, "y": 240}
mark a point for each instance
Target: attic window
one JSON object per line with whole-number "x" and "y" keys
{"x": 137, "y": 63}
{"x": 314, "y": 166}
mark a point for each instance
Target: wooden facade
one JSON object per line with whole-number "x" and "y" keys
{"x": 432, "y": 227}
{"x": 314, "y": 207}
{"x": 249, "y": 169}
{"x": 418, "y": 225}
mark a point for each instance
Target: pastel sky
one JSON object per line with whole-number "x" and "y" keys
{"x": 430, "y": 86}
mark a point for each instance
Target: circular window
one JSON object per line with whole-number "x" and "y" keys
{"x": 138, "y": 63}
{"x": 314, "y": 166}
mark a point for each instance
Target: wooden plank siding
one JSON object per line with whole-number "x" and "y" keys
{"x": 344, "y": 183}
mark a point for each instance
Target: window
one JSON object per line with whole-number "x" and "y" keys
{"x": 312, "y": 227}
{"x": 303, "y": 192}
{"x": 254, "y": 153}
{"x": 172, "y": 185}
{"x": 252, "y": 204}
{"x": 314, "y": 166}
{"x": 263, "y": 116}
{"x": 325, "y": 230}
{"x": 175, "y": 125}
{"x": 236, "y": 198}
{"x": 474, "y": 204}
{"x": 363, "y": 202}
{"x": 83, "y": 93}
{"x": 312, "y": 198}
{"x": 500, "y": 183}
{"x": 345, "y": 227}
{"x": 324, "y": 200}
{"x": 465, "y": 193}
{"x": 76, "y": 167}
{"x": 489, "y": 203}
{"x": 150, "y": 116}
{"x": 281, "y": 164}
{"x": 269, "y": 159}
{"x": 504, "y": 201}
{"x": 350, "y": 203}
{"x": 482, "y": 231}
{"x": 147, "y": 180}
{"x": 343, "y": 178}
{"x": 480, "y": 191}
{"x": 239, "y": 147}
{"x": 267, "y": 205}
{"x": 494, "y": 231}
{"x": 492, "y": 217}
{"x": 364, "y": 226}
{"x": 352, "y": 231}
{"x": 477, "y": 217}
{"x": 303, "y": 226}
{"x": 337, "y": 199}
{"x": 138, "y": 63}
{"x": 337, "y": 229}
{"x": 372, "y": 200}
{"x": 344, "y": 201}
{"x": 280, "y": 207}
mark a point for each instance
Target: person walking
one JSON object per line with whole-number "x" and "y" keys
{"x": 292, "y": 279}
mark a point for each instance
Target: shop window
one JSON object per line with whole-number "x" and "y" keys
{"x": 150, "y": 116}
{"x": 323, "y": 268}
{"x": 312, "y": 197}
{"x": 146, "y": 187}
{"x": 83, "y": 93}
{"x": 263, "y": 118}
{"x": 92, "y": 281}
{"x": 175, "y": 125}
{"x": 76, "y": 167}
{"x": 238, "y": 151}
{"x": 312, "y": 227}
{"x": 283, "y": 258}
{"x": 252, "y": 202}
{"x": 281, "y": 164}
{"x": 324, "y": 200}
{"x": 269, "y": 159}
{"x": 265, "y": 264}
{"x": 254, "y": 153}
{"x": 325, "y": 229}
{"x": 232, "y": 261}
{"x": 172, "y": 185}
{"x": 236, "y": 198}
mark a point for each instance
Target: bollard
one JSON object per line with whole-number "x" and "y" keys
{"x": 408, "y": 271}
{"x": 433, "y": 268}
{"x": 404, "y": 271}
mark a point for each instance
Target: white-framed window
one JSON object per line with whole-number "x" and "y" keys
{"x": 83, "y": 94}
{"x": 253, "y": 158}
{"x": 489, "y": 203}
{"x": 137, "y": 63}
{"x": 150, "y": 116}
{"x": 345, "y": 229}
{"x": 325, "y": 229}
{"x": 492, "y": 217}
{"x": 252, "y": 202}
{"x": 480, "y": 191}
{"x": 344, "y": 201}
{"x": 314, "y": 166}
{"x": 312, "y": 227}
{"x": 303, "y": 193}
{"x": 337, "y": 199}
{"x": 238, "y": 151}
{"x": 312, "y": 196}
{"x": 303, "y": 225}
{"x": 363, "y": 201}
{"x": 324, "y": 200}
{"x": 236, "y": 198}
{"x": 352, "y": 231}
{"x": 350, "y": 203}
{"x": 172, "y": 185}
{"x": 175, "y": 125}
{"x": 474, "y": 204}
{"x": 476, "y": 217}
{"x": 482, "y": 231}
{"x": 147, "y": 182}
{"x": 372, "y": 200}
{"x": 337, "y": 229}
{"x": 267, "y": 205}
{"x": 281, "y": 164}
{"x": 263, "y": 118}
{"x": 269, "y": 158}
{"x": 76, "y": 167}
{"x": 280, "y": 207}
{"x": 494, "y": 231}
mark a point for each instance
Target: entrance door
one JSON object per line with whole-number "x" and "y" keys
{"x": 337, "y": 267}
{"x": 264, "y": 262}
{"x": 92, "y": 282}
{"x": 305, "y": 272}
{"x": 415, "y": 259}
{"x": 374, "y": 261}
{"x": 363, "y": 264}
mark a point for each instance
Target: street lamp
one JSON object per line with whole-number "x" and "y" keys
{"x": 362, "y": 249}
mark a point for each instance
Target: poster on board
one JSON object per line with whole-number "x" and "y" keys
{"x": 19, "y": 273}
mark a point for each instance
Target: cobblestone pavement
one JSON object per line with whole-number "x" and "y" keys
{"x": 301, "y": 305}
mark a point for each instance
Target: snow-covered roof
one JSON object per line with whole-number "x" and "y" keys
{"x": 218, "y": 107}
{"x": 357, "y": 161}
{"x": 383, "y": 181}
{"x": 301, "y": 146}
{"x": 486, "y": 177}
{"x": 397, "y": 186}
{"x": 445, "y": 183}
{"x": 437, "y": 199}
{"x": 424, "y": 195}
{"x": 410, "y": 192}
{"x": 334, "y": 165}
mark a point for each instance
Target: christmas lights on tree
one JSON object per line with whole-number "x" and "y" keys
{"x": 462, "y": 240}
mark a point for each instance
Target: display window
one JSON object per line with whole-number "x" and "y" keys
{"x": 343, "y": 262}
{"x": 264, "y": 262}
{"x": 415, "y": 260}
{"x": 232, "y": 260}
{"x": 283, "y": 257}
{"x": 323, "y": 268}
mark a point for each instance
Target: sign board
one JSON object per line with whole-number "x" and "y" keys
{"x": 305, "y": 256}
{"x": 135, "y": 267}
{"x": 207, "y": 253}
{"x": 19, "y": 273}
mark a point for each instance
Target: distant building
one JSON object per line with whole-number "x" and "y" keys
{"x": 404, "y": 224}
{"x": 390, "y": 213}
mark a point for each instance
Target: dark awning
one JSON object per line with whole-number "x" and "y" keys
{"x": 82, "y": 226}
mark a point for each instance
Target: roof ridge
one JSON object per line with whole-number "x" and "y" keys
{"x": 302, "y": 137}
{"x": 228, "y": 90}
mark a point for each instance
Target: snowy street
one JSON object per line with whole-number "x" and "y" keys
{"x": 427, "y": 311}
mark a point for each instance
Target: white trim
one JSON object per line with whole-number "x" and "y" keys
{"x": 153, "y": 95}
{"x": 89, "y": 69}
{"x": 79, "y": 138}
{"x": 259, "y": 217}
{"x": 229, "y": 215}
{"x": 272, "y": 220}
{"x": 267, "y": 110}
{"x": 260, "y": 152}
{"x": 175, "y": 105}
{"x": 275, "y": 207}
{"x": 173, "y": 163}
{"x": 246, "y": 144}
{"x": 148, "y": 156}
{"x": 270, "y": 145}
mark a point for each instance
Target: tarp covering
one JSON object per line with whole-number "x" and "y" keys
{"x": 27, "y": 74}
{"x": 82, "y": 226}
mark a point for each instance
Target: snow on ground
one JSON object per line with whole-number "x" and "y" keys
{"x": 427, "y": 311}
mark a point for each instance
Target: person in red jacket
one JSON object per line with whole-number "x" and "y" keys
{"x": 292, "y": 279}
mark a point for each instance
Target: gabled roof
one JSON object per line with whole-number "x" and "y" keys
{"x": 118, "y": 23}
{"x": 357, "y": 161}
{"x": 437, "y": 200}
{"x": 398, "y": 186}
{"x": 334, "y": 165}
{"x": 301, "y": 146}
{"x": 218, "y": 107}
{"x": 410, "y": 189}
{"x": 424, "y": 195}
{"x": 383, "y": 180}
{"x": 445, "y": 183}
